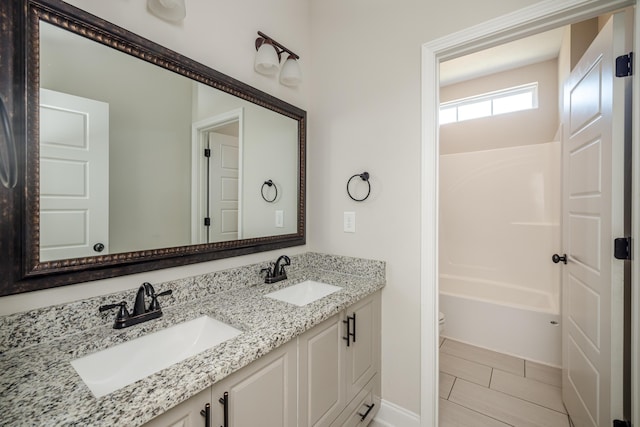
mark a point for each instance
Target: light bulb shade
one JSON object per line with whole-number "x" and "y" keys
{"x": 267, "y": 61}
{"x": 169, "y": 10}
{"x": 290, "y": 75}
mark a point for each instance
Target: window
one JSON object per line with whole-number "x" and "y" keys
{"x": 517, "y": 98}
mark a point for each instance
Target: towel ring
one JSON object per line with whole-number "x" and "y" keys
{"x": 269, "y": 183}
{"x": 8, "y": 172}
{"x": 365, "y": 177}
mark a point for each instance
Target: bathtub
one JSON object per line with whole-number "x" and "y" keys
{"x": 501, "y": 317}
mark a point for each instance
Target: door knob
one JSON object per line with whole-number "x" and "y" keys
{"x": 98, "y": 247}
{"x": 557, "y": 258}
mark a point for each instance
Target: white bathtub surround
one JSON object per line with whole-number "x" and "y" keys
{"x": 510, "y": 320}
{"x": 500, "y": 216}
{"x": 499, "y": 226}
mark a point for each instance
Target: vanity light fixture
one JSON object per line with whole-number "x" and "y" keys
{"x": 169, "y": 10}
{"x": 268, "y": 56}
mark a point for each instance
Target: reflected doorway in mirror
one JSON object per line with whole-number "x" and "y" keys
{"x": 217, "y": 179}
{"x": 74, "y": 176}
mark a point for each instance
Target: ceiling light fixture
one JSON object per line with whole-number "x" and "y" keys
{"x": 268, "y": 56}
{"x": 169, "y": 10}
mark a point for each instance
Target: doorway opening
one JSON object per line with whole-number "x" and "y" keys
{"x": 495, "y": 32}
{"x": 216, "y": 178}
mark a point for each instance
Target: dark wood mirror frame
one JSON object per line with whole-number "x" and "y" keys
{"x": 20, "y": 269}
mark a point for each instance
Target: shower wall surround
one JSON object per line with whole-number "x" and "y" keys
{"x": 500, "y": 216}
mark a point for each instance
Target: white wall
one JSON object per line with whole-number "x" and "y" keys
{"x": 534, "y": 126}
{"x": 366, "y": 116}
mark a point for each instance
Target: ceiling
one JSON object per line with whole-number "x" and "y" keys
{"x": 518, "y": 53}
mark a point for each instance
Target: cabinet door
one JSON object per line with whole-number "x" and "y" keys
{"x": 262, "y": 394}
{"x": 322, "y": 388}
{"x": 363, "y": 353}
{"x": 186, "y": 414}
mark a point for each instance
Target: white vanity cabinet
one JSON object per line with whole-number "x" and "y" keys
{"x": 261, "y": 394}
{"x": 186, "y": 414}
{"x": 338, "y": 362}
{"x": 328, "y": 376}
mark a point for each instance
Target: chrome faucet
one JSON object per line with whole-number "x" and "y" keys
{"x": 276, "y": 272}
{"x": 140, "y": 312}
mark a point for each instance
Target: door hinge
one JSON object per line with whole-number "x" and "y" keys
{"x": 621, "y": 423}
{"x": 207, "y": 152}
{"x": 207, "y": 222}
{"x": 622, "y": 248}
{"x": 624, "y": 65}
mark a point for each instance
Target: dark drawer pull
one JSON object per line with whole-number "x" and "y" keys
{"x": 350, "y": 334}
{"x": 225, "y": 404}
{"x": 206, "y": 413}
{"x": 369, "y": 408}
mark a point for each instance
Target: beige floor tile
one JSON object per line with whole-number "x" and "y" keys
{"x": 543, "y": 373}
{"x": 446, "y": 382}
{"x": 483, "y": 356}
{"x": 453, "y": 415}
{"x": 462, "y": 368}
{"x": 505, "y": 408}
{"x": 527, "y": 389}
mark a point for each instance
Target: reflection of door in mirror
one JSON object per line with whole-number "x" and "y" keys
{"x": 217, "y": 178}
{"x": 222, "y": 185}
{"x": 74, "y": 176}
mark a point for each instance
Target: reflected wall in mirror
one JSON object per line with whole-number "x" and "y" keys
{"x": 144, "y": 159}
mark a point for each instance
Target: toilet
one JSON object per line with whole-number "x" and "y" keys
{"x": 441, "y": 322}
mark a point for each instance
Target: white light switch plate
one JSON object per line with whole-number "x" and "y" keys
{"x": 349, "y": 222}
{"x": 280, "y": 219}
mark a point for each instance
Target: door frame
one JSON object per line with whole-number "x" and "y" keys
{"x": 539, "y": 17}
{"x": 197, "y": 130}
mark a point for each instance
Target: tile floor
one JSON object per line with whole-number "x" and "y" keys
{"x": 481, "y": 388}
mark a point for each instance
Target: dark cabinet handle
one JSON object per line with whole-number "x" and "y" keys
{"x": 206, "y": 413}
{"x": 369, "y": 409}
{"x": 354, "y": 327}
{"x": 350, "y": 335}
{"x": 98, "y": 247}
{"x": 8, "y": 164}
{"x": 557, "y": 258}
{"x": 224, "y": 400}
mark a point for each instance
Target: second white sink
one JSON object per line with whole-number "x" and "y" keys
{"x": 115, "y": 367}
{"x": 304, "y": 293}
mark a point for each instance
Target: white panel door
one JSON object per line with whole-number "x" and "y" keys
{"x": 74, "y": 176}
{"x": 223, "y": 187}
{"x": 592, "y": 217}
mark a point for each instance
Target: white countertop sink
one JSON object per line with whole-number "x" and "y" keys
{"x": 115, "y": 367}
{"x": 304, "y": 293}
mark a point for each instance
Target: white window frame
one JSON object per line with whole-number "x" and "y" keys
{"x": 531, "y": 88}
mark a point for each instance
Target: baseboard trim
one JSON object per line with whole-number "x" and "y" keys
{"x": 392, "y": 415}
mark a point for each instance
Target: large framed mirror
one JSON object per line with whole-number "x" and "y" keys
{"x": 132, "y": 157}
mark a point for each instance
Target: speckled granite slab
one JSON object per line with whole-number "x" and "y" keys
{"x": 38, "y": 386}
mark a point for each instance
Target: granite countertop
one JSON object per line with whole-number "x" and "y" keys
{"x": 40, "y": 387}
